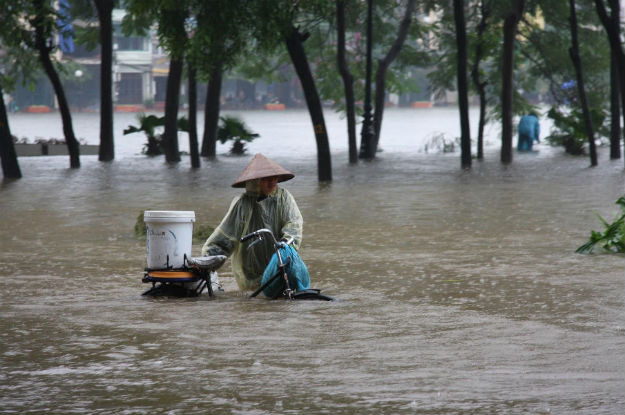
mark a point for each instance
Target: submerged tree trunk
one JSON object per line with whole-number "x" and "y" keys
{"x": 44, "y": 49}
{"x": 507, "y": 78}
{"x": 300, "y": 61}
{"x": 367, "y": 130}
{"x": 380, "y": 76}
{"x": 577, "y": 64}
{"x": 615, "y": 109}
{"x": 463, "y": 88}
{"x": 172, "y": 101}
{"x": 211, "y": 112}
{"x": 480, "y": 85}
{"x": 107, "y": 146}
{"x": 8, "y": 156}
{"x": 613, "y": 28}
{"x": 193, "y": 145}
{"x": 348, "y": 83}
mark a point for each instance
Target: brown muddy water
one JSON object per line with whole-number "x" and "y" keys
{"x": 459, "y": 291}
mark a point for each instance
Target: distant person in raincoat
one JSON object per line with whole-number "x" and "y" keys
{"x": 529, "y": 131}
{"x": 263, "y": 205}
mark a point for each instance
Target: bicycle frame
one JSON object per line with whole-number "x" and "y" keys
{"x": 259, "y": 234}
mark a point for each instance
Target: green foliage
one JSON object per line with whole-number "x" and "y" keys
{"x": 219, "y": 31}
{"x": 401, "y": 77}
{"x": 149, "y": 124}
{"x": 202, "y": 233}
{"x": 569, "y": 129}
{"x": 18, "y": 57}
{"x": 86, "y": 29}
{"x": 140, "y": 228}
{"x": 234, "y": 129}
{"x": 612, "y": 239}
{"x": 545, "y": 54}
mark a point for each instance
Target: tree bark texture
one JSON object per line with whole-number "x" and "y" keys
{"x": 193, "y": 145}
{"x": 615, "y": 109}
{"x": 302, "y": 68}
{"x": 613, "y": 28}
{"x": 348, "y": 83}
{"x": 463, "y": 93}
{"x": 44, "y": 49}
{"x": 581, "y": 90}
{"x": 172, "y": 101}
{"x": 8, "y": 156}
{"x": 480, "y": 85}
{"x": 367, "y": 130}
{"x": 380, "y": 76}
{"x": 511, "y": 22}
{"x": 211, "y": 112}
{"x": 106, "y": 151}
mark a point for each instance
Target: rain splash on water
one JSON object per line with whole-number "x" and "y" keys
{"x": 459, "y": 291}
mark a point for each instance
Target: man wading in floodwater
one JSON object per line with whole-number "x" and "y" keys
{"x": 529, "y": 131}
{"x": 263, "y": 205}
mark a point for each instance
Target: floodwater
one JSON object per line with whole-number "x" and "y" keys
{"x": 459, "y": 291}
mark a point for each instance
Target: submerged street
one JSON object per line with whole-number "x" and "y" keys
{"x": 459, "y": 291}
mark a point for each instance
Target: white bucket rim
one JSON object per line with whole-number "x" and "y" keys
{"x": 162, "y": 214}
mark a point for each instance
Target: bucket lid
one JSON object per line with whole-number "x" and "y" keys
{"x": 163, "y": 214}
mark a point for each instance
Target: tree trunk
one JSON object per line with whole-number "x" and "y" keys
{"x": 615, "y": 110}
{"x": 463, "y": 93}
{"x": 507, "y": 79}
{"x": 107, "y": 146}
{"x": 480, "y": 85}
{"x": 367, "y": 130}
{"x": 172, "y": 100}
{"x": 613, "y": 28}
{"x": 577, "y": 64}
{"x": 380, "y": 76}
{"x": 193, "y": 145}
{"x": 300, "y": 62}
{"x": 66, "y": 116}
{"x": 348, "y": 83}
{"x": 211, "y": 112}
{"x": 8, "y": 156}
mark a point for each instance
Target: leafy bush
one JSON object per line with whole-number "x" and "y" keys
{"x": 148, "y": 125}
{"x": 613, "y": 238}
{"x": 439, "y": 143}
{"x": 233, "y": 128}
{"x": 569, "y": 129}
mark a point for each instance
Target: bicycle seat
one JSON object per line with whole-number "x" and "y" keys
{"x": 208, "y": 263}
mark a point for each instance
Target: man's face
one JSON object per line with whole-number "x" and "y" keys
{"x": 268, "y": 185}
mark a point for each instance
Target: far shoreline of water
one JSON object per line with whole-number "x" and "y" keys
{"x": 281, "y": 132}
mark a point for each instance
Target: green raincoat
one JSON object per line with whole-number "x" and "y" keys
{"x": 277, "y": 212}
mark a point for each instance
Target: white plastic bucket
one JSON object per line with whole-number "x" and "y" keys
{"x": 169, "y": 236}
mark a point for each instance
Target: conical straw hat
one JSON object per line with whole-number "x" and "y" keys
{"x": 261, "y": 167}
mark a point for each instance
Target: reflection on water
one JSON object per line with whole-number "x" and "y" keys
{"x": 460, "y": 291}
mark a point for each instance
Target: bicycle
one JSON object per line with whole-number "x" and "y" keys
{"x": 288, "y": 293}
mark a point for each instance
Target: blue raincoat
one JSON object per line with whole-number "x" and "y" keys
{"x": 529, "y": 131}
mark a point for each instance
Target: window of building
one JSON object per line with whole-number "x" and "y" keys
{"x": 130, "y": 89}
{"x": 126, "y": 43}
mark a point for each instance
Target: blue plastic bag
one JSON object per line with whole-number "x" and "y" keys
{"x": 299, "y": 278}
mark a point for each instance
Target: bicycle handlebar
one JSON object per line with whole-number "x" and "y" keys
{"x": 258, "y": 234}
